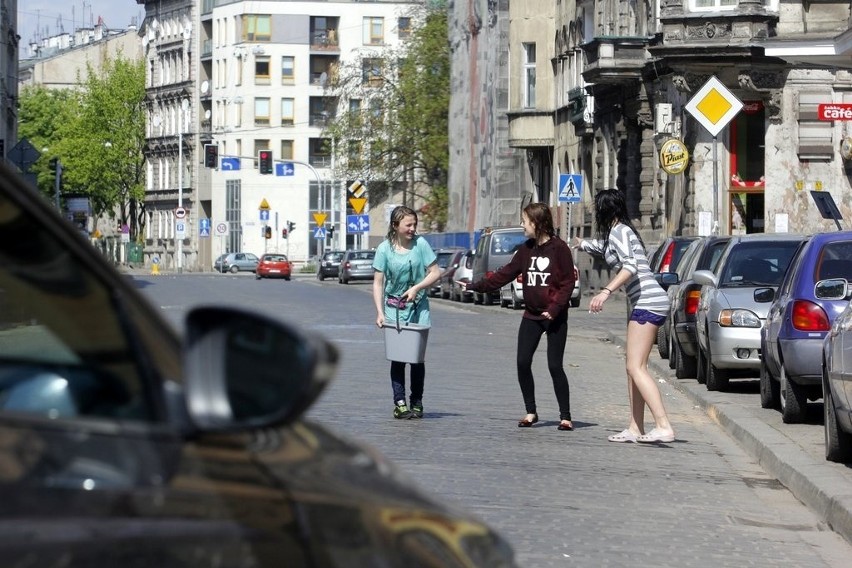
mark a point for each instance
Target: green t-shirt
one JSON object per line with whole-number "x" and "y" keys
{"x": 403, "y": 270}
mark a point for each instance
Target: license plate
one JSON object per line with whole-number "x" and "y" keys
{"x": 274, "y": 270}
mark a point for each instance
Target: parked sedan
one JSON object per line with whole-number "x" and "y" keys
{"x": 665, "y": 259}
{"x": 236, "y": 261}
{"x": 274, "y": 265}
{"x": 463, "y": 275}
{"x": 703, "y": 254}
{"x": 447, "y": 260}
{"x": 797, "y": 323}
{"x": 356, "y": 265}
{"x": 449, "y": 275}
{"x": 837, "y": 374}
{"x": 329, "y": 265}
{"x": 734, "y": 301}
{"x": 125, "y": 442}
{"x": 513, "y": 292}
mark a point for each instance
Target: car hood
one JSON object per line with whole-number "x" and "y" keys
{"x": 735, "y": 298}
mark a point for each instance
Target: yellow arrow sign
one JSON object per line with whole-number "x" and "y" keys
{"x": 358, "y": 204}
{"x": 320, "y": 218}
{"x": 264, "y": 204}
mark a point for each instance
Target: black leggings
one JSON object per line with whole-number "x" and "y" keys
{"x": 529, "y": 335}
{"x": 418, "y": 376}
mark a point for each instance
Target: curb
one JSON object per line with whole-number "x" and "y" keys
{"x": 810, "y": 482}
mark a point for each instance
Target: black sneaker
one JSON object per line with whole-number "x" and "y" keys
{"x": 417, "y": 410}
{"x": 401, "y": 410}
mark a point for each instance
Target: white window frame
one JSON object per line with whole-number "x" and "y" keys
{"x": 288, "y": 117}
{"x": 529, "y": 75}
{"x": 261, "y": 119}
{"x": 371, "y": 38}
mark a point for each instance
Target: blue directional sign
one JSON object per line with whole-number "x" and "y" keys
{"x": 230, "y": 164}
{"x": 264, "y": 214}
{"x": 357, "y": 223}
{"x": 319, "y": 233}
{"x": 570, "y": 188}
{"x": 204, "y": 227}
{"x": 284, "y": 169}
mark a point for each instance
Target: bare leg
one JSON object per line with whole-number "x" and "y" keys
{"x": 640, "y": 339}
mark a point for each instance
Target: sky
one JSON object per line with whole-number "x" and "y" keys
{"x": 46, "y": 16}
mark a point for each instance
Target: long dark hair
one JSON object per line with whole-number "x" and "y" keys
{"x": 397, "y": 215}
{"x": 610, "y": 208}
{"x": 540, "y": 215}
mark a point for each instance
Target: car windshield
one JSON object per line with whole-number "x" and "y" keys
{"x": 444, "y": 259}
{"x": 507, "y": 243}
{"x": 757, "y": 263}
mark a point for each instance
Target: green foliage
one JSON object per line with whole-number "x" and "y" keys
{"x": 98, "y": 133}
{"x": 397, "y": 131}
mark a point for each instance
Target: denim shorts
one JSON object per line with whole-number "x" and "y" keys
{"x": 644, "y": 316}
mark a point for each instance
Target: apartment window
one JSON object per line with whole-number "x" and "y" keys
{"x": 403, "y": 27}
{"x": 371, "y": 72}
{"x": 814, "y": 135}
{"x": 261, "y": 70}
{"x": 261, "y": 111}
{"x": 288, "y": 65}
{"x": 238, "y": 71}
{"x": 529, "y": 75}
{"x": 287, "y": 112}
{"x": 374, "y": 31}
{"x": 238, "y": 114}
{"x": 702, "y": 5}
{"x": 258, "y": 146}
{"x": 354, "y": 112}
{"x": 353, "y": 155}
{"x": 256, "y": 27}
{"x": 376, "y": 113}
{"x": 286, "y": 149}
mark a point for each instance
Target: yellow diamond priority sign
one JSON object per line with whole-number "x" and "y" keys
{"x": 714, "y": 106}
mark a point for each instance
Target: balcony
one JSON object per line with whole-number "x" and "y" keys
{"x": 615, "y": 60}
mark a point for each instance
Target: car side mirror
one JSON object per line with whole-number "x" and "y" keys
{"x": 669, "y": 278}
{"x": 246, "y": 370}
{"x": 764, "y": 295}
{"x": 705, "y": 278}
{"x": 831, "y": 289}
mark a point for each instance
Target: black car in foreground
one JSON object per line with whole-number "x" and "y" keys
{"x": 329, "y": 264}
{"x": 123, "y": 444}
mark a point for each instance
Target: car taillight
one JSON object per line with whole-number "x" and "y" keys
{"x": 347, "y": 264}
{"x": 808, "y": 316}
{"x": 691, "y": 305}
{"x": 665, "y": 266}
{"x": 576, "y": 274}
{"x": 520, "y": 279}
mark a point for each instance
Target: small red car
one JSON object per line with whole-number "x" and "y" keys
{"x": 274, "y": 265}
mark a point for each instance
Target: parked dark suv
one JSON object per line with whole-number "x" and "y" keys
{"x": 494, "y": 249}
{"x": 125, "y": 442}
{"x": 329, "y": 264}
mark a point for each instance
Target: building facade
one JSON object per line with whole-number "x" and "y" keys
{"x": 8, "y": 70}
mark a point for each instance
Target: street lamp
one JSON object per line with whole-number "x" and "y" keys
{"x": 184, "y": 105}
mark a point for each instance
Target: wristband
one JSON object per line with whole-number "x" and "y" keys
{"x": 607, "y": 289}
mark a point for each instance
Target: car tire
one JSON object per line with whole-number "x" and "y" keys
{"x": 287, "y": 278}
{"x": 486, "y": 299}
{"x": 684, "y": 364}
{"x": 794, "y": 400}
{"x": 672, "y": 352}
{"x": 234, "y": 269}
{"x": 504, "y": 303}
{"x": 700, "y": 368}
{"x": 477, "y": 298}
{"x": 257, "y": 276}
{"x": 575, "y": 302}
{"x": 662, "y": 344}
{"x": 838, "y": 443}
{"x": 770, "y": 389}
{"x": 320, "y": 277}
{"x": 445, "y": 295}
{"x": 717, "y": 379}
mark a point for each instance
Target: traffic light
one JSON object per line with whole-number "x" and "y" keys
{"x": 267, "y": 232}
{"x": 331, "y": 231}
{"x": 211, "y": 156}
{"x": 264, "y": 158}
{"x": 283, "y": 233}
{"x": 291, "y": 226}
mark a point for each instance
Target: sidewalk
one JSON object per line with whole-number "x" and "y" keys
{"x": 792, "y": 453}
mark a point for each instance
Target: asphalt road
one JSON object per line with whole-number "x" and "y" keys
{"x": 561, "y": 498}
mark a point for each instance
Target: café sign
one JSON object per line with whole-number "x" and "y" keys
{"x": 673, "y": 156}
{"x": 834, "y": 111}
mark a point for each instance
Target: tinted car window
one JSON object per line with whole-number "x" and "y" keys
{"x": 444, "y": 259}
{"x": 835, "y": 261}
{"x": 507, "y": 243}
{"x": 758, "y": 263}
{"x": 333, "y": 256}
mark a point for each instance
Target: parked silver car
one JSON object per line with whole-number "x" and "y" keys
{"x": 462, "y": 275}
{"x": 356, "y": 265}
{"x": 236, "y": 261}
{"x": 837, "y": 375}
{"x": 512, "y": 294}
{"x": 734, "y": 301}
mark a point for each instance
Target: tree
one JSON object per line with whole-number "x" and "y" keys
{"x": 392, "y": 125}
{"x": 98, "y": 133}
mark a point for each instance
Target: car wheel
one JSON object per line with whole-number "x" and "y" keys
{"x": 287, "y": 278}
{"x": 662, "y": 344}
{"x": 794, "y": 401}
{"x": 770, "y": 389}
{"x": 838, "y": 444}
{"x": 320, "y": 276}
{"x": 575, "y": 302}
{"x": 717, "y": 379}
{"x": 445, "y": 295}
{"x": 234, "y": 269}
{"x": 477, "y": 298}
{"x": 257, "y": 276}
{"x": 486, "y": 299}
{"x": 672, "y": 352}
{"x": 517, "y": 303}
{"x": 684, "y": 364}
{"x": 345, "y": 281}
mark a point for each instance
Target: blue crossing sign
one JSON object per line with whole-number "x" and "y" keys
{"x": 570, "y": 188}
{"x": 319, "y": 233}
{"x": 357, "y": 223}
{"x": 204, "y": 227}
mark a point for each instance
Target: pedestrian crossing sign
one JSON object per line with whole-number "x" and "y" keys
{"x": 570, "y": 188}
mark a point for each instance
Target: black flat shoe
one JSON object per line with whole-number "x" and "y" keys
{"x": 565, "y": 427}
{"x": 527, "y": 423}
